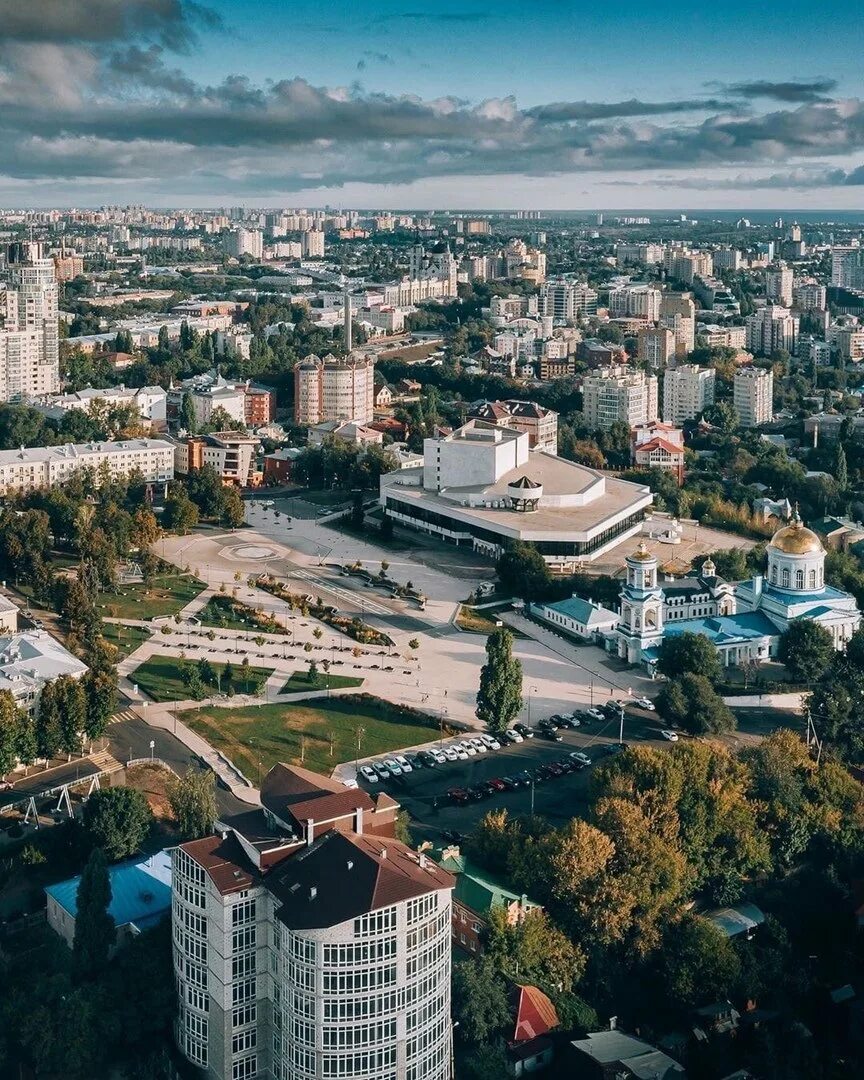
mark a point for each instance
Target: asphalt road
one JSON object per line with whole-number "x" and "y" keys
{"x": 131, "y": 739}
{"x": 41, "y": 781}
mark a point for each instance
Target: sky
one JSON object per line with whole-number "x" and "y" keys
{"x": 536, "y": 104}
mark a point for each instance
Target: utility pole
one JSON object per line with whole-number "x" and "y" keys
{"x": 621, "y": 725}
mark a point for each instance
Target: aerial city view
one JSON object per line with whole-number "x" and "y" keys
{"x": 431, "y": 541}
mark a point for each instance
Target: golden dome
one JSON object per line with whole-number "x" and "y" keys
{"x": 795, "y": 539}
{"x": 641, "y": 554}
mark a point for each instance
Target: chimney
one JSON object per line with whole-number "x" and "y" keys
{"x": 383, "y": 852}
{"x": 358, "y": 821}
{"x": 421, "y": 861}
{"x": 310, "y": 831}
{"x": 313, "y": 891}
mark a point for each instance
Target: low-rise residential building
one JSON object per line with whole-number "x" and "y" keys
{"x": 613, "y": 1055}
{"x": 233, "y": 455}
{"x": 150, "y": 402}
{"x": 659, "y": 446}
{"x": 140, "y": 898}
{"x": 350, "y": 432}
{"x": 46, "y": 466}
{"x": 656, "y": 347}
{"x": 475, "y": 894}
{"x": 279, "y": 466}
{"x": 540, "y": 424}
{"x": 29, "y": 659}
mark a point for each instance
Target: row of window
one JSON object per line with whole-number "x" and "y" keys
{"x": 349, "y": 1038}
{"x": 375, "y": 922}
{"x": 376, "y": 1063}
{"x": 349, "y": 982}
{"x": 365, "y": 952}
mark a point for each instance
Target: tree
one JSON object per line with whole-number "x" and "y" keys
{"x": 488, "y": 1061}
{"x": 312, "y": 672}
{"x": 193, "y": 803}
{"x": 48, "y": 727}
{"x": 534, "y": 949}
{"x": 101, "y": 690}
{"x": 181, "y": 514}
{"x": 522, "y": 572}
{"x": 691, "y": 703}
{"x": 688, "y": 652}
{"x": 698, "y": 963}
{"x": 117, "y": 820}
{"x": 187, "y": 420}
{"x": 479, "y": 1000}
{"x": 499, "y": 697}
{"x": 9, "y": 732}
{"x": 94, "y": 927}
{"x": 807, "y": 649}
{"x": 233, "y": 508}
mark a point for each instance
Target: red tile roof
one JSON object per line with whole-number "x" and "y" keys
{"x": 535, "y": 1013}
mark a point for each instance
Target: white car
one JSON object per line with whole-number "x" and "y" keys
{"x": 439, "y": 756}
{"x": 404, "y": 764}
{"x": 595, "y": 714}
{"x": 369, "y": 774}
{"x": 491, "y": 742}
{"x": 479, "y": 746}
{"x": 669, "y": 736}
{"x": 461, "y": 752}
{"x": 644, "y": 703}
{"x": 468, "y": 748}
{"x": 450, "y": 754}
{"x": 583, "y": 759}
{"x": 513, "y": 736}
{"x": 394, "y": 766}
{"x": 381, "y": 769}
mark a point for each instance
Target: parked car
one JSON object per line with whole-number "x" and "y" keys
{"x": 565, "y": 764}
{"x": 547, "y": 724}
{"x": 468, "y": 748}
{"x": 415, "y": 761}
{"x": 594, "y": 714}
{"x": 553, "y": 734}
{"x": 577, "y": 755}
{"x": 478, "y": 792}
{"x": 381, "y": 769}
{"x": 670, "y": 736}
{"x": 429, "y": 758}
{"x": 497, "y": 784}
{"x": 459, "y": 796}
{"x": 524, "y": 731}
{"x": 479, "y": 746}
{"x": 614, "y": 748}
{"x": 513, "y": 736}
{"x": 491, "y": 742}
{"x": 510, "y": 783}
{"x": 394, "y": 766}
{"x": 369, "y": 774}
{"x": 451, "y": 754}
{"x": 645, "y": 703}
{"x": 525, "y": 778}
{"x": 403, "y": 763}
{"x": 558, "y": 719}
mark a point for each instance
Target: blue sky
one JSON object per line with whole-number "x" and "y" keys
{"x": 538, "y": 104}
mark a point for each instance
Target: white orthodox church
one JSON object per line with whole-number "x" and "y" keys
{"x": 744, "y": 620}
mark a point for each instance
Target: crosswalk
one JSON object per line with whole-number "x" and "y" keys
{"x": 105, "y": 762}
{"x": 119, "y": 717}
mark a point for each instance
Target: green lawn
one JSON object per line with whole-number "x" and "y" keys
{"x": 160, "y": 678}
{"x": 125, "y": 638}
{"x": 273, "y": 733}
{"x": 299, "y": 681}
{"x": 166, "y": 596}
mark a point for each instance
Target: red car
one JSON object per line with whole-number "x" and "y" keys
{"x": 496, "y": 784}
{"x": 459, "y": 796}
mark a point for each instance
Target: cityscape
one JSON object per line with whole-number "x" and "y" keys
{"x": 431, "y": 543}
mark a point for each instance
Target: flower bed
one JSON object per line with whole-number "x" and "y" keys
{"x": 352, "y": 627}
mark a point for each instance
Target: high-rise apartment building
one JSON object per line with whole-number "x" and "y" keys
{"x": 309, "y": 943}
{"x": 619, "y": 394}
{"x": 810, "y": 296}
{"x": 29, "y": 336}
{"x": 635, "y": 301}
{"x": 240, "y": 242}
{"x": 847, "y": 267}
{"x": 656, "y": 347}
{"x": 333, "y": 389}
{"x": 687, "y": 390}
{"x": 753, "y": 396}
{"x": 726, "y": 259}
{"x": 678, "y": 314}
{"x": 313, "y": 244}
{"x": 779, "y": 282}
{"x": 771, "y": 328}
{"x": 567, "y": 300}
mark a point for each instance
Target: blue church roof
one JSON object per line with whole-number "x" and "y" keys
{"x": 725, "y": 629}
{"x": 140, "y": 892}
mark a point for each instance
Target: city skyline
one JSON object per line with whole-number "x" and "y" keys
{"x": 382, "y": 104}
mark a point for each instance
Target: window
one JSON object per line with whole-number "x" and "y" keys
{"x": 243, "y": 965}
{"x": 785, "y": 577}
{"x": 773, "y": 575}
{"x": 243, "y": 992}
{"x": 376, "y": 922}
{"x": 244, "y": 1068}
{"x": 244, "y": 1016}
{"x": 244, "y": 1040}
{"x": 799, "y": 579}
{"x": 812, "y": 579}
{"x": 244, "y": 939}
{"x": 243, "y": 912}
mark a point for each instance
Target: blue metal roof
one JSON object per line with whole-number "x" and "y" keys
{"x": 583, "y": 611}
{"x": 140, "y": 891}
{"x": 724, "y": 629}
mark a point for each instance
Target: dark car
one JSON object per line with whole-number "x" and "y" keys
{"x": 565, "y": 764}
{"x": 551, "y": 733}
{"x": 497, "y": 784}
{"x": 547, "y": 723}
{"x": 525, "y": 778}
{"x": 459, "y": 796}
{"x": 559, "y": 720}
{"x": 614, "y": 748}
{"x": 478, "y": 792}
{"x": 554, "y": 769}
{"x": 510, "y": 783}
{"x": 524, "y": 731}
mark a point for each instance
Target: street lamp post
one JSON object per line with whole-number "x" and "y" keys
{"x": 531, "y": 691}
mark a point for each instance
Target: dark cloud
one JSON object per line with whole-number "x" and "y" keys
{"x": 563, "y": 111}
{"x": 370, "y": 57}
{"x": 174, "y": 22}
{"x": 810, "y": 91}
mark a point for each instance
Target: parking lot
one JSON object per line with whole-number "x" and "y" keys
{"x": 424, "y": 792}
